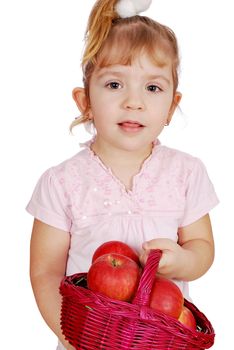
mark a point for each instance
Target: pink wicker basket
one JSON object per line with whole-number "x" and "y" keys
{"x": 91, "y": 321}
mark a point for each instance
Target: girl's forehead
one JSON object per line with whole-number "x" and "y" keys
{"x": 151, "y": 58}
{"x": 143, "y": 64}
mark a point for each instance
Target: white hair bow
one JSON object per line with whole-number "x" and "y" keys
{"x": 129, "y": 8}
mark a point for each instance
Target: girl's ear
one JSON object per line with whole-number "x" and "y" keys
{"x": 175, "y": 103}
{"x": 80, "y": 99}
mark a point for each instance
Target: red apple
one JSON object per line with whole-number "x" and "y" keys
{"x": 166, "y": 297}
{"x": 114, "y": 275}
{"x": 116, "y": 247}
{"x": 187, "y": 318}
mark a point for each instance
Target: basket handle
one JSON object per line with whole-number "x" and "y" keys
{"x": 147, "y": 279}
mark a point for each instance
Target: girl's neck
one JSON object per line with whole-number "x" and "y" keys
{"x": 117, "y": 157}
{"x": 123, "y": 164}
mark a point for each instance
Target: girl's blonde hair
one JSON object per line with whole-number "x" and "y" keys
{"x": 113, "y": 40}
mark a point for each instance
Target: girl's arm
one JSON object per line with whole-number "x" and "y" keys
{"x": 188, "y": 259}
{"x": 48, "y": 259}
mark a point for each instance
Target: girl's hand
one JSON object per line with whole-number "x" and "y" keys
{"x": 188, "y": 259}
{"x": 172, "y": 256}
{"x": 70, "y": 347}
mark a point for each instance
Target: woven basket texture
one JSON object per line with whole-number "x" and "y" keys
{"x": 91, "y": 321}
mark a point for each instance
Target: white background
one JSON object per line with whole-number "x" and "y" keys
{"x": 41, "y": 45}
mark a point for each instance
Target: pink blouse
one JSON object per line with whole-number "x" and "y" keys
{"x": 83, "y": 197}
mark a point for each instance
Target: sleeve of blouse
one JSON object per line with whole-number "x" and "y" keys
{"x": 200, "y": 194}
{"x": 48, "y": 203}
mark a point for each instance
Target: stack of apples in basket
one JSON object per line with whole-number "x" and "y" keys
{"x": 116, "y": 271}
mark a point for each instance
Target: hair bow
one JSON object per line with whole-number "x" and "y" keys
{"x": 129, "y": 8}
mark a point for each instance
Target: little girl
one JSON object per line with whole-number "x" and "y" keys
{"x": 124, "y": 185}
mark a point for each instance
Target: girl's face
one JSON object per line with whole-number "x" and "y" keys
{"x": 130, "y": 105}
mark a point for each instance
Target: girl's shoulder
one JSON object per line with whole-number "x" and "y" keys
{"x": 76, "y": 164}
{"x": 172, "y": 157}
{"x": 65, "y": 176}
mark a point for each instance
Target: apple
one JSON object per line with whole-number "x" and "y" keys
{"x": 187, "y": 318}
{"x": 114, "y": 275}
{"x": 166, "y": 297}
{"x": 116, "y": 247}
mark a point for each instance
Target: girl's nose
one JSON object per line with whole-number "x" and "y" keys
{"x": 134, "y": 102}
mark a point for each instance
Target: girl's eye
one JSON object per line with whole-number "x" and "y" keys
{"x": 113, "y": 85}
{"x": 154, "y": 88}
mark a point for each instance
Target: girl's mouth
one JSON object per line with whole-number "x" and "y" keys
{"x": 130, "y": 126}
